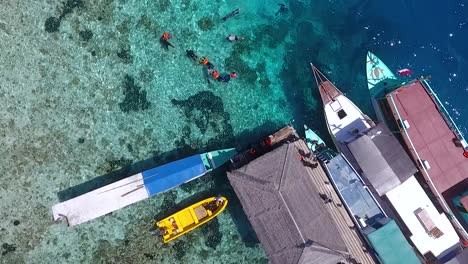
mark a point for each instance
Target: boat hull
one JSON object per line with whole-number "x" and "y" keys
{"x": 138, "y": 187}
{"x": 190, "y": 218}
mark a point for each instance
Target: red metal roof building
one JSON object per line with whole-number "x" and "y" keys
{"x": 432, "y": 139}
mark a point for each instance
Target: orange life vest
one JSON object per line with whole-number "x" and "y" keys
{"x": 165, "y": 36}
{"x": 205, "y": 61}
{"x": 215, "y": 75}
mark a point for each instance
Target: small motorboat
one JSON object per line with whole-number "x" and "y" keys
{"x": 313, "y": 140}
{"x": 190, "y": 218}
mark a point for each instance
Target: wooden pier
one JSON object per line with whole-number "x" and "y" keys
{"x": 338, "y": 212}
{"x": 295, "y": 211}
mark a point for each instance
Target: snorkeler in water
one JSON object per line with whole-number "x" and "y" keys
{"x": 233, "y": 13}
{"x": 191, "y": 55}
{"x": 282, "y": 9}
{"x": 233, "y": 38}
{"x": 164, "y": 40}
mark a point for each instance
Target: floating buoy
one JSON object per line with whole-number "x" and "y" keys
{"x": 267, "y": 141}
{"x": 405, "y": 72}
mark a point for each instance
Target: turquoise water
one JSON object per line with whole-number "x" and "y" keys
{"x": 88, "y": 91}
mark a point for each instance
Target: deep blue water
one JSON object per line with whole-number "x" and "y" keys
{"x": 428, "y": 37}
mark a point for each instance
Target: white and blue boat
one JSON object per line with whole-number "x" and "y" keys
{"x": 138, "y": 187}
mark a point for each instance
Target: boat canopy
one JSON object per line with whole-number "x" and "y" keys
{"x": 431, "y": 231}
{"x": 360, "y": 201}
{"x": 382, "y": 159}
{"x": 391, "y": 245}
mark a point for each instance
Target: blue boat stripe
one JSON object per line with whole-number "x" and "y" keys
{"x": 173, "y": 174}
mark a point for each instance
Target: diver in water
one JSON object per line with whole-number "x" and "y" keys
{"x": 282, "y": 9}
{"x": 233, "y": 13}
{"x": 207, "y": 63}
{"x": 233, "y": 38}
{"x": 164, "y": 40}
{"x": 191, "y": 55}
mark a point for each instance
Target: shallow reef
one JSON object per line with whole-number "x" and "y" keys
{"x": 69, "y": 5}
{"x": 274, "y": 34}
{"x": 205, "y": 110}
{"x": 180, "y": 249}
{"x": 112, "y": 165}
{"x": 52, "y": 24}
{"x": 261, "y": 70}
{"x": 135, "y": 98}
{"x": 125, "y": 55}
{"x": 211, "y": 233}
{"x": 86, "y": 35}
{"x": 235, "y": 62}
{"x": 163, "y": 5}
{"x": 8, "y": 248}
{"x": 205, "y": 24}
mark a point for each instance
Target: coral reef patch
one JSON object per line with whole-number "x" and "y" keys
{"x": 86, "y": 35}
{"x": 135, "y": 98}
{"x": 212, "y": 234}
{"x": 52, "y": 24}
{"x": 206, "y": 110}
{"x": 205, "y": 24}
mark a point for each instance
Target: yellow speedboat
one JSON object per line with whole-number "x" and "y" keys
{"x": 191, "y": 217}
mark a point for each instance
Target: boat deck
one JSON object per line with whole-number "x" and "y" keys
{"x": 431, "y": 136}
{"x": 101, "y": 201}
{"x": 357, "y": 197}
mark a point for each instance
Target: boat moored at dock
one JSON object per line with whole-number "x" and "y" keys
{"x": 414, "y": 112}
{"x": 191, "y": 217}
{"x": 138, "y": 187}
{"x": 345, "y": 121}
{"x": 366, "y": 212}
{"x": 381, "y": 160}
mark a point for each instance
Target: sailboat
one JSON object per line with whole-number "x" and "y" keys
{"x": 345, "y": 121}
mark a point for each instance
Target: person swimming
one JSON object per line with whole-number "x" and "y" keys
{"x": 233, "y": 13}
{"x": 233, "y": 38}
{"x": 216, "y": 75}
{"x": 164, "y": 40}
{"x": 208, "y": 64}
{"x": 282, "y": 9}
{"x": 228, "y": 77}
{"x": 191, "y": 55}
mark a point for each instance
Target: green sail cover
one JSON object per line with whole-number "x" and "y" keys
{"x": 391, "y": 245}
